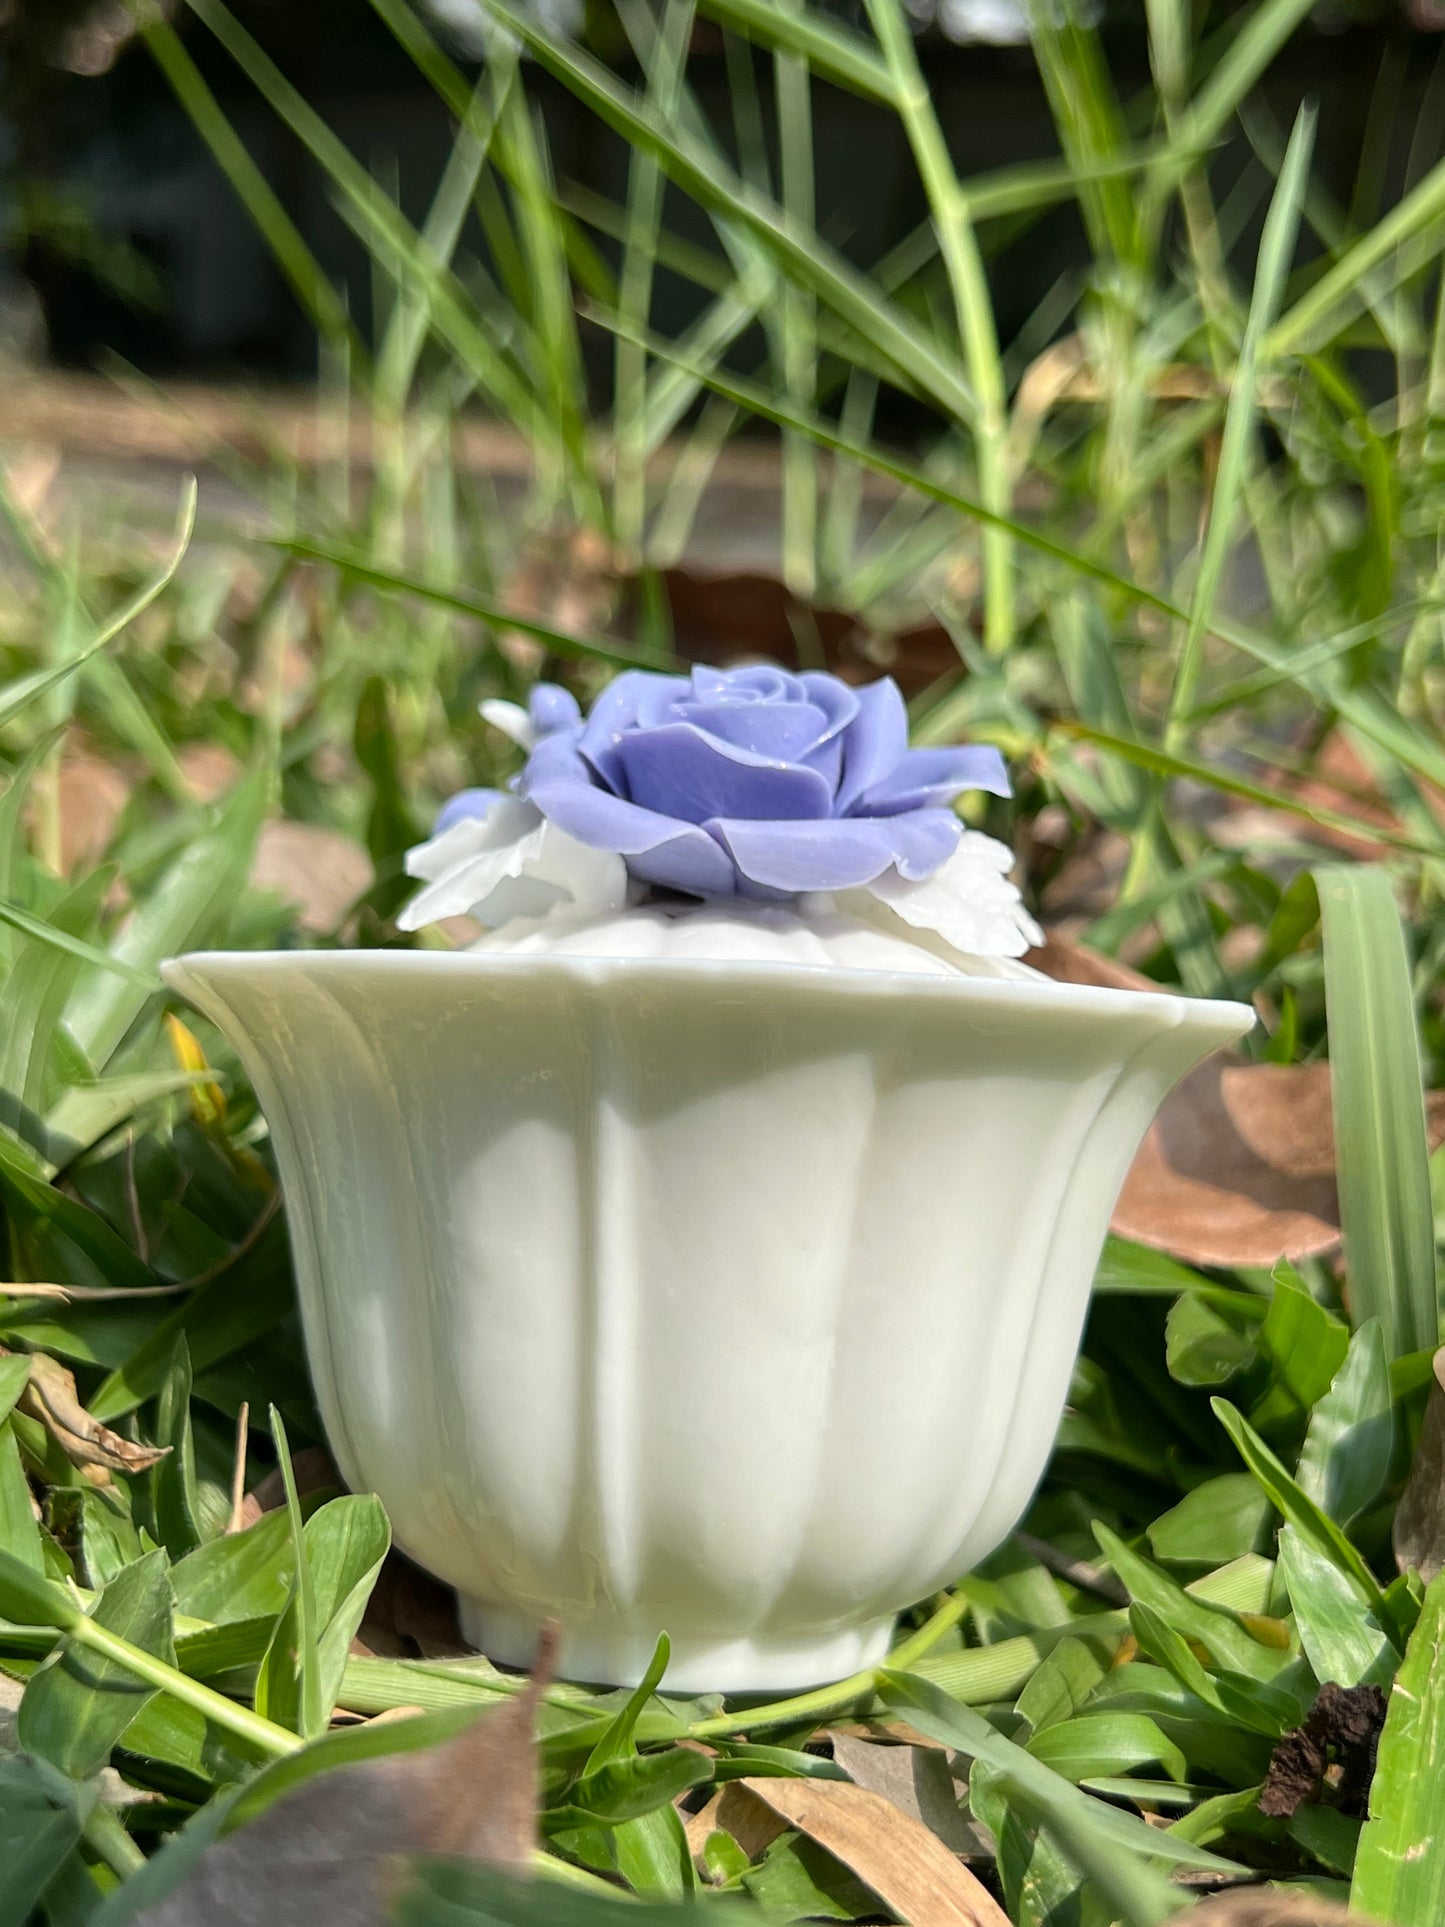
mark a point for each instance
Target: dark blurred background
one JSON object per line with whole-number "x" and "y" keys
{"x": 122, "y": 238}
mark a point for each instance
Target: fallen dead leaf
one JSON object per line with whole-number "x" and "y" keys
{"x": 916, "y": 1780}
{"x": 721, "y": 616}
{"x": 1419, "y": 1530}
{"x": 1266, "y": 1907}
{"x": 889, "y": 1850}
{"x": 329, "y": 1851}
{"x": 209, "y": 769}
{"x": 319, "y": 871}
{"x": 1239, "y": 1166}
{"x": 92, "y": 795}
{"x": 51, "y": 1397}
{"x": 732, "y": 1809}
{"x": 314, "y": 1471}
{"x": 1068, "y": 962}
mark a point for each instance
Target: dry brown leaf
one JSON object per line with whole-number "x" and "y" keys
{"x": 734, "y": 1810}
{"x": 1074, "y": 963}
{"x": 93, "y": 793}
{"x": 1266, "y": 1907}
{"x": 328, "y": 1852}
{"x": 50, "y": 1396}
{"x": 314, "y": 1471}
{"x": 916, "y": 1780}
{"x": 411, "y": 1615}
{"x": 318, "y": 870}
{"x": 209, "y": 769}
{"x": 889, "y": 1851}
{"x": 1239, "y": 1166}
{"x": 1419, "y": 1530}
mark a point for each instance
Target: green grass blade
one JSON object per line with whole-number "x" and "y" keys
{"x": 802, "y": 256}
{"x": 1381, "y": 1151}
{"x": 25, "y": 689}
{"x": 296, "y": 261}
{"x": 1400, "y": 1866}
{"x": 354, "y": 563}
{"x": 1276, "y": 250}
{"x": 972, "y": 303}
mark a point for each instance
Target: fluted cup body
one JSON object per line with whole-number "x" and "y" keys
{"x": 733, "y": 1300}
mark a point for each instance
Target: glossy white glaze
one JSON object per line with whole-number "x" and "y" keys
{"x": 731, "y": 1298}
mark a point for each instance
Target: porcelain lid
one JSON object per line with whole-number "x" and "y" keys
{"x": 824, "y": 938}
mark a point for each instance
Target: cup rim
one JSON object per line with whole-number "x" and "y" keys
{"x": 1226, "y": 1020}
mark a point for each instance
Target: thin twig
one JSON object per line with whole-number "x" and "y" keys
{"x": 90, "y": 1294}
{"x": 94, "y": 1294}
{"x": 1078, "y": 1572}
{"x": 238, "y": 1476}
{"x": 132, "y": 1197}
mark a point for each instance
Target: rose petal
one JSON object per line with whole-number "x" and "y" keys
{"x": 875, "y": 743}
{"x": 525, "y": 874}
{"x": 637, "y": 698}
{"x": 465, "y": 806}
{"x": 680, "y": 772}
{"x": 658, "y": 849}
{"x": 969, "y": 901}
{"x": 931, "y": 778}
{"x": 837, "y": 854}
{"x": 550, "y": 707}
{"x": 513, "y": 721}
{"x": 782, "y": 732}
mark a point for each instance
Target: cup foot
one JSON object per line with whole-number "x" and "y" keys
{"x": 620, "y": 1658}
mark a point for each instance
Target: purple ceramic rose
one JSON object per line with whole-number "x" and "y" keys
{"x": 749, "y": 783}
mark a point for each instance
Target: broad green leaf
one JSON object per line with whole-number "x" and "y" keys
{"x": 1229, "y": 1644}
{"x": 1329, "y": 1836}
{"x": 349, "y": 1746}
{"x": 185, "y": 1513}
{"x": 651, "y": 1851}
{"x": 30, "y": 1600}
{"x": 797, "y": 1879}
{"x": 1060, "y": 1687}
{"x": 344, "y": 1543}
{"x": 41, "y": 1817}
{"x": 1037, "y": 1788}
{"x": 1295, "y": 1505}
{"x": 1221, "y": 1519}
{"x": 630, "y": 1789}
{"x": 79, "y": 1703}
{"x": 1243, "y": 1701}
{"x": 1350, "y": 1440}
{"x": 1381, "y": 1152}
{"x": 1305, "y": 1344}
{"x": 1400, "y": 1865}
{"x": 464, "y": 1894}
{"x": 61, "y": 1240}
{"x": 1342, "y": 1639}
{"x": 19, "y": 1528}
{"x": 14, "y": 1377}
{"x": 1207, "y": 1343}
{"x": 1107, "y": 1743}
{"x": 243, "y": 1575}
